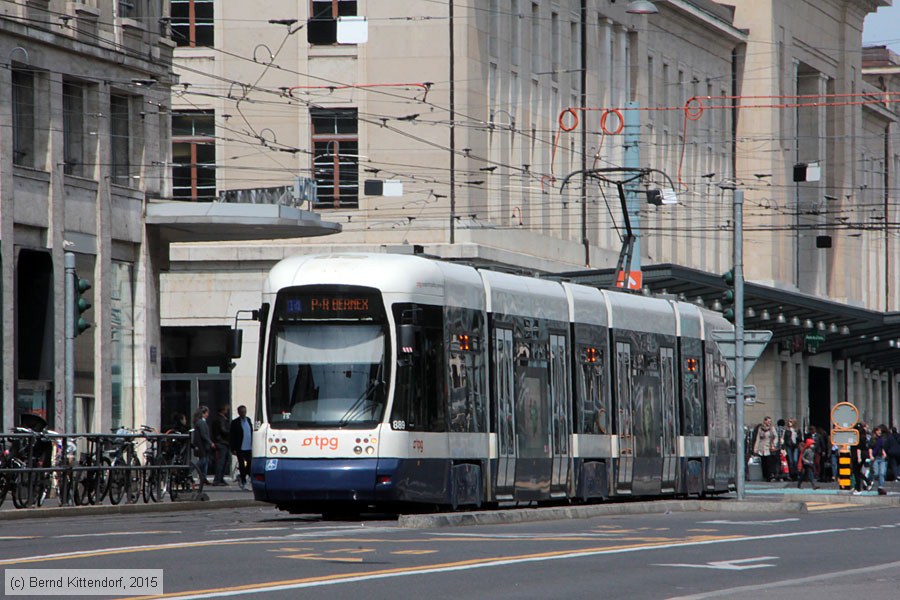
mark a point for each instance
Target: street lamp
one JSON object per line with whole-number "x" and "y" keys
{"x": 641, "y": 7}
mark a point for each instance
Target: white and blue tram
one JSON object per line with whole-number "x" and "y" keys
{"x": 393, "y": 379}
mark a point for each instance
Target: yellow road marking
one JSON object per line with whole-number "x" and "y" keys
{"x": 352, "y": 550}
{"x": 320, "y": 557}
{"x": 261, "y": 587}
{"x": 414, "y": 552}
{"x": 112, "y": 551}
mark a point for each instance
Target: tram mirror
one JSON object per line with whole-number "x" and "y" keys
{"x": 407, "y": 338}
{"x": 234, "y": 341}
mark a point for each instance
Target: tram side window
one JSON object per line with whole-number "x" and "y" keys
{"x": 692, "y": 401}
{"x": 593, "y": 410}
{"x": 468, "y": 410}
{"x": 420, "y": 400}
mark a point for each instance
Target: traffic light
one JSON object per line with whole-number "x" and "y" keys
{"x": 728, "y": 295}
{"x": 81, "y": 305}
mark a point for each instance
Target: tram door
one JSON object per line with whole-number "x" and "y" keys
{"x": 503, "y": 408}
{"x": 669, "y": 418}
{"x": 626, "y": 421}
{"x": 559, "y": 401}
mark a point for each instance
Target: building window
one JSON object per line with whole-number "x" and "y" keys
{"x": 130, "y": 9}
{"x": 336, "y": 157}
{"x": 322, "y": 26}
{"x": 23, "y": 117}
{"x": 120, "y": 139}
{"x": 121, "y": 348}
{"x": 73, "y": 128}
{"x": 192, "y": 23}
{"x": 194, "y": 155}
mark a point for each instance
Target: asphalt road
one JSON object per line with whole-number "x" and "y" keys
{"x": 833, "y": 551}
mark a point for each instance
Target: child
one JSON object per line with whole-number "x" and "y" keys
{"x": 808, "y": 462}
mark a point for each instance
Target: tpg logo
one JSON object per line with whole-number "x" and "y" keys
{"x": 322, "y": 443}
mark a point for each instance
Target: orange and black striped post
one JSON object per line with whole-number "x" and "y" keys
{"x": 844, "y": 469}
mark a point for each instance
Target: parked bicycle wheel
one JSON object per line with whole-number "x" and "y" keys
{"x": 84, "y": 487}
{"x": 156, "y": 481}
{"x": 134, "y": 480}
{"x": 186, "y": 482}
{"x": 65, "y": 491}
{"x": 102, "y": 481}
{"x": 118, "y": 481}
{"x": 31, "y": 489}
{"x": 4, "y": 487}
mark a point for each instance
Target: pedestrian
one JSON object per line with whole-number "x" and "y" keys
{"x": 178, "y": 424}
{"x": 221, "y": 431}
{"x": 781, "y": 467}
{"x": 242, "y": 443}
{"x": 764, "y": 445}
{"x": 858, "y": 456}
{"x": 892, "y": 448}
{"x": 808, "y": 464}
{"x": 822, "y": 448}
{"x": 790, "y": 442}
{"x": 878, "y": 456}
{"x": 202, "y": 443}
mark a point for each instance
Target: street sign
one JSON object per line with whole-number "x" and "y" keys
{"x": 634, "y": 279}
{"x": 845, "y": 437}
{"x": 754, "y": 344}
{"x": 749, "y": 393}
{"x": 844, "y": 416}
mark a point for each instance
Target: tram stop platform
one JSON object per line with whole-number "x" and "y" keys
{"x": 759, "y": 497}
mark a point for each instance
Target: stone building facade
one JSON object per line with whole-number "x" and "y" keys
{"x": 84, "y": 121}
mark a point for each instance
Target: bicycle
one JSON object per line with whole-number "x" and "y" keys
{"x": 30, "y": 452}
{"x": 125, "y": 476}
{"x": 90, "y": 481}
{"x": 156, "y": 473}
{"x": 185, "y": 480}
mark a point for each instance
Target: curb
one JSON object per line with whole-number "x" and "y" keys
{"x": 531, "y": 515}
{"x": 124, "y": 509}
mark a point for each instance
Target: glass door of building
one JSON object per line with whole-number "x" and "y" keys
{"x": 184, "y": 393}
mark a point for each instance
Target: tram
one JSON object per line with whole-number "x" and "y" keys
{"x": 394, "y": 380}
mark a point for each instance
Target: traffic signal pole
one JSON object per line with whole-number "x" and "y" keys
{"x": 71, "y": 310}
{"x": 739, "y": 340}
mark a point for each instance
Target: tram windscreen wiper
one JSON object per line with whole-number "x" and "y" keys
{"x": 356, "y": 408}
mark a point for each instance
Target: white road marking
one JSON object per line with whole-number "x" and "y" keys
{"x": 110, "y": 533}
{"x": 768, "y": 586}
{"x": 726, "y": 565}
{"x": 727, "y": 522}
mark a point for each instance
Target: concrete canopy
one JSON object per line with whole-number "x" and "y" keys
{"x": 223, "y": 222}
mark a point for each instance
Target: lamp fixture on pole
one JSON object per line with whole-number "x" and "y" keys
{"x": 641, "y": 7}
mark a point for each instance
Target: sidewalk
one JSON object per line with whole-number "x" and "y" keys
{"x": 827, "y": 492}
{"x": 230, "y": 496}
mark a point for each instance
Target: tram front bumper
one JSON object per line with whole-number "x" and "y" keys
{"x": 294, "y": 480}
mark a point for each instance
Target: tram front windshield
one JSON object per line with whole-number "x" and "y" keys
{"x": 328, "y": 375}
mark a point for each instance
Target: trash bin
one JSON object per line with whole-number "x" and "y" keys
{"x": 754, "y": 469}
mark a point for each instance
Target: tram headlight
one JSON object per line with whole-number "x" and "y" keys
{"x": 284, "y": 449}
{"x": 273, "y": 450}
{"x": 357, "y": 449}
{"x": 370, "y": 450}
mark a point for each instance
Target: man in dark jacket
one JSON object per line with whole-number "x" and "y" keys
{"x": 201, "y": 441}
{"x": 241, "y": 443}
{"x": 220, "y": 432}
